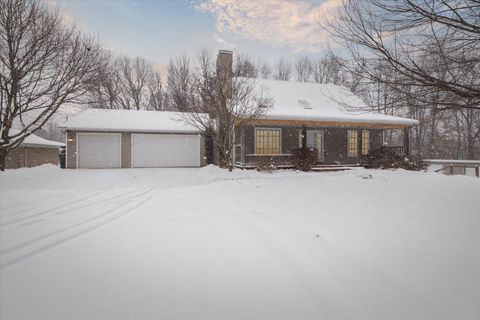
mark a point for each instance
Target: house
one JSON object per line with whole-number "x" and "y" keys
{"x": 98, "y": 138}
{"x": 327, "y": 118}
{"x": 33, "y": 151}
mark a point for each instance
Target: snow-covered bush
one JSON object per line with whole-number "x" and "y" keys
{"x": 304, "y": 158}
{"x": 265, "y": 164}
{"x": 384, "y": 158}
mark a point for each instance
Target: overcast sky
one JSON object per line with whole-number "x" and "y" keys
{"x": 160, "y": 29}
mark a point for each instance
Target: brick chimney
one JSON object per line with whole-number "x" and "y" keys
{"x": 224, "y": 70}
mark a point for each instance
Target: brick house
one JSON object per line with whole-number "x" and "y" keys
{"x": 33, "y": 151}
{"x": 325, "y": 117}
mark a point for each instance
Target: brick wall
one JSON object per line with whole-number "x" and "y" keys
{"x": 31, "y": 157}
{"x": 335, "y": 141}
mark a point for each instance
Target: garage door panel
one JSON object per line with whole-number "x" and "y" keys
{"x": 165, "y": 150}
{"x": 99, "y": 150}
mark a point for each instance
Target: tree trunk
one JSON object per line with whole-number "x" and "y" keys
{"x": 209, "y": 145}
{"x": 470, "y": 147}
{"x": 459, "y": 137}
{"x": 3, "y": 159}
{"x": 432, "y": 152}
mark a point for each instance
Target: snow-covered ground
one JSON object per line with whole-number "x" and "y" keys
{"x": 208, "y": 244}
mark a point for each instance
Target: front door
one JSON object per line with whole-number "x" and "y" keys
{"x": 315, "y": 140}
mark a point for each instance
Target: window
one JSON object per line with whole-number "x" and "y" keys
{"x": 352, "y": 143}
{"x": 267, "y": 141}
{"x": 365, "y": 142}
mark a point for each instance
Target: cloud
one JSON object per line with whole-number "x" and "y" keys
{"x": 226, "y": 44}
{"x": 66, "y": 17}
{"x": 291, "y": 23}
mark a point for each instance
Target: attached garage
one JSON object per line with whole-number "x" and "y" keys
{"x": 110, "y": 139}
{"x": 99, "y": 150}
{"x": 165, "y": 150}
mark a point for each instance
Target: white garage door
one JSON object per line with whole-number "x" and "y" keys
{"x": 99, "y": 150}
{"x": 165, "y": 150}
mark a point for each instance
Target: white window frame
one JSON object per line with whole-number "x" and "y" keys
{"x": 322, "y": 153}
{"x": 267, "y": 128}
{"x": 348, "y": 144}
{"x": 368, "y": 149}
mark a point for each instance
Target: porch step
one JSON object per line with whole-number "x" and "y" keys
{"x": 330, "y": 169}
{"x": 333, "y": 168}
{"x": 337, "y": 165}
{"x": 318, "y": 168}
{"x": 253, "y": 166}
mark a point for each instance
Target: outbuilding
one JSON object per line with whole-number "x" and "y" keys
{"x": 33, "y": 151}
{"x": 99, "y": 138}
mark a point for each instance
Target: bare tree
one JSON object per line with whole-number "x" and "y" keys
{"x": 223, "y": 103}
{"x": 417, "y": 58}
{"x": 133, "y": 77}
{"x": 178, "y": 83}
{"x": 331, "y": 69}
{"x": 303, "y": 69}
{"x": 245, "y": 67}
{"x": 156, "y": 95}
{"x": 406, "y": 32}
{"x": 266, "y": 71}
{"x": 283, "y": 70}
{"x": 469, "y": 130}
{"x": 105, "y": 93}
{"x": 131, "y": 84}
{"x": 43, "y": 64}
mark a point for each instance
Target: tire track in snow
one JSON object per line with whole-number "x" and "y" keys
{"x": 67, "y": 207}
{"x": 45, "y": 204}
{"x": 63, "y": 208}
{"x": 48, "y": 235}
{"x": 90, "y": 225}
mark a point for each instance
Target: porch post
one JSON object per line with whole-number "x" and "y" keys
{"x": 304, "y": 137}
{"x": 359, "y": 143}
{"x": 242, "y": 147}
{"x": 406, "y": 141}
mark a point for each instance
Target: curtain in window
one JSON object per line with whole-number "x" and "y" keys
{"x": 267, "y": 141}
{"x": 365, "y": 142}
{"x": 352, "y": 142}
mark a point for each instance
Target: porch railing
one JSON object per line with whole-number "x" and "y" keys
{"x": 398, "y": 150}
{"x": 279, "y": 159}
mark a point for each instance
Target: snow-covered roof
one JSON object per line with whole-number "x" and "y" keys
{"x": 320, "y": 102}
{"x": 129, "y": 120}
{"x": 35, "y": 141}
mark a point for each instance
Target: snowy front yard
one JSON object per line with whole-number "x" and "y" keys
{"x": 206, "y": 244}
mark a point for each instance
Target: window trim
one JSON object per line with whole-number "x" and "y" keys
{"x": 267, "y": 128}
{"x": 322, "y": 153}
{"x": 349, "y": 155}
{"x": 363, "y": 142}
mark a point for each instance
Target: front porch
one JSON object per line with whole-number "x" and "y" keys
{"x": 253, "y": 160}
{"x": 334, "y": 146}
{"x": 285, "y": 160}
